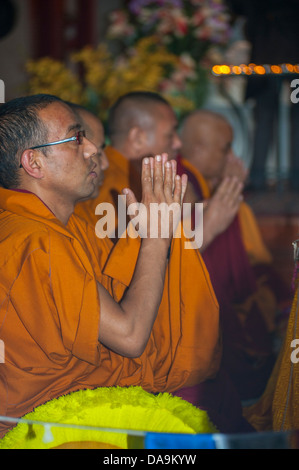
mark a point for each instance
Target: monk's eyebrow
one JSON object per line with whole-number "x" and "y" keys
{"x": 73, "y": 127}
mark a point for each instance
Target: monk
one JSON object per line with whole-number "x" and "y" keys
{"x": 238, "y": 261}
{"x": 77, "y": 311}
{"x": 54, "y": 290}
{"x": 141, "y": 124}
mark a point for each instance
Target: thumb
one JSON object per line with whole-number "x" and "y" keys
{"x": 131, "y": 202}
{"x": 130, "y": 196}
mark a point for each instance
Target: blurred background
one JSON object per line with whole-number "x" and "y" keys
{"x": 237, "y": 57}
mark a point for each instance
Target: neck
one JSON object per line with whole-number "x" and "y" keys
{"x": 60, "y": 207}
{"x": 63, "y": 213}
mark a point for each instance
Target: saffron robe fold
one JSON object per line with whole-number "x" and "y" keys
{"x": 247, "y": 291}
{"x": 50, "y": 311}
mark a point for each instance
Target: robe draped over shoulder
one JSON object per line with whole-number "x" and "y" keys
{"x": 50, "y": 311}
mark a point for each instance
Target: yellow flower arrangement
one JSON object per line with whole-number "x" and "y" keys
{"x": 104, "y": 78}
{"x": 47, "y": 75}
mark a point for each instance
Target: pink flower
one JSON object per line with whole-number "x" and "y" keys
{"x": 172, "y": 21}
{"x": 198, "y": 18}
{"x": 119, "y": 24}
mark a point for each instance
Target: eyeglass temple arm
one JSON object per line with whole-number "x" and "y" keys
{"x": 54, "y": 143}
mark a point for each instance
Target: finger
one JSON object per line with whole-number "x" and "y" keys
{"x": 229, "y": 186}
{"x": 164, "y": 160}
{"x": 223, "y": 188}
{"x": 174, "y": 172}
{"x": 168, "y": 182}
{"x": 177, "y": 193}
{"x": 236, "y": 187}
{"x": 130, "y": 198}
{"x": 234, "y": 196}
{"x": 164, "y": 157}
{"x": 158, "y": 176}
{"x": 146, "y": 178}
{"x": 152, "y": 168}
{"x": 184, "y": 182}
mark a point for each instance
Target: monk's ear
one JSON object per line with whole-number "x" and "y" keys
{"x": 137, "y": 137}
{"x": 31, "y": 161}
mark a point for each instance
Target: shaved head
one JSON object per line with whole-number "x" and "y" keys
{"x": 206, "y": 142}
{"x": 141, "y": 124}
{"x": 133, "y": 109}
{"x": 197, "y": 125}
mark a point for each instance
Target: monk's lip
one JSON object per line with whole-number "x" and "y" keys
{"x": 93, "y": 173}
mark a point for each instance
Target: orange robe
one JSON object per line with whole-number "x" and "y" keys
{"x": 248, "y": 292}
{"x": 185, "y": 276}
{"x": 50, "y": 314}
{"x": 278, "y": 408}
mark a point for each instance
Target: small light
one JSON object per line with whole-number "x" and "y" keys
{"x": 276, "y": 69}
{"x": 248, "y": 69}
{"x": 216, "y": 69}
{"x": 259, "y": 69}
{"x": 225, "y": 69}
{"x": 236, "y": 70}
{"x": 289, "y": 67}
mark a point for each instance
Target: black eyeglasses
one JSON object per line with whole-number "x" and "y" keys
{"x": 77, "y": 138}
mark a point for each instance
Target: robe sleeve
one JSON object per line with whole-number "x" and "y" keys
{"x": 65, "y": 318}
{"x": 252, "y": 238}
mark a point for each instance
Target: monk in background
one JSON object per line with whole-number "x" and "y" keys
{"x": 248, "y": 289}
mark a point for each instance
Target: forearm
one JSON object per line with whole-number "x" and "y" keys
{"x": 141, "y": 302}
{"x": 126, "y": 326}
